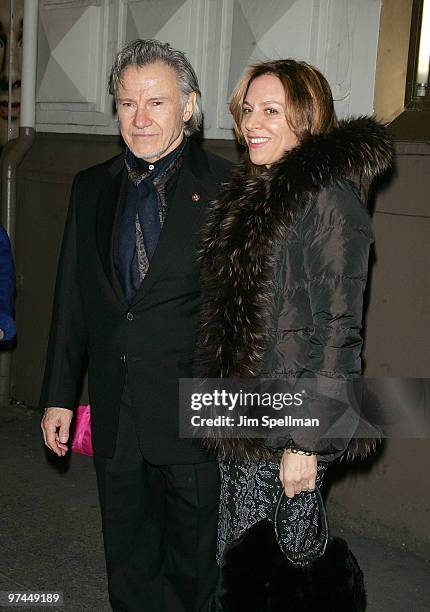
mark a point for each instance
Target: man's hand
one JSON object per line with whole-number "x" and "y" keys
{"x": 297, "y": 473}
{"x": 55, "y": 427}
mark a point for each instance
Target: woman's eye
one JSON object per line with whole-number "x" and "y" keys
{"x": 245, "y": 111}
{"x": 271, "y": 111}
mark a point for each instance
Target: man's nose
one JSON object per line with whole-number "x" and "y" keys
{"x": 142, "y": 118}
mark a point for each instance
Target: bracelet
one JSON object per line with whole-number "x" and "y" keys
{"x": 299, "y": 451}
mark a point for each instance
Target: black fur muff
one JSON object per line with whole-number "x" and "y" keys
{"x": 256, "y": 577}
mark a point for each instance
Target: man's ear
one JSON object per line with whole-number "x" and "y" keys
{"x": 189, "y": 106}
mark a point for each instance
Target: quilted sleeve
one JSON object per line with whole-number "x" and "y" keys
{"x": 336, "y": 239}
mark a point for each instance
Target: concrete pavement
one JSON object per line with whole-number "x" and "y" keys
{"x": 50, "y": 533}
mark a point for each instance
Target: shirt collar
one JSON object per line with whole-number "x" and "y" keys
{"x": 142, "y": 167}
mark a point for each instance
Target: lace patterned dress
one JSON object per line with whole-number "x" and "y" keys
{"x": 249, "y": 491}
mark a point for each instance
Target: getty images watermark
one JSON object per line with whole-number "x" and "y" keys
{"x": 306, "y": 409}
{"x": 241, "y": 403}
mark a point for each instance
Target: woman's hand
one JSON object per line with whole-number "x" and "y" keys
{"x": 297, "y": 473}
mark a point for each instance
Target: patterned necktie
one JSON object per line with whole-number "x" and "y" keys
{"x": 142, "y": 205}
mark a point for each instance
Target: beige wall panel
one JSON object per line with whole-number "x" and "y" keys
{"x": 392, "y": 62}
{"x": 72, "y": 64}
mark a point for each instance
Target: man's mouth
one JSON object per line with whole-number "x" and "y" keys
{"x": 14, "y": 109}
{"x": 140, "y": 135}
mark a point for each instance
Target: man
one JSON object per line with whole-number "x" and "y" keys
{"x": 10, "y": 67}
{"x": 128, "y": 294}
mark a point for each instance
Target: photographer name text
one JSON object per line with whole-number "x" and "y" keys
{"x": 266, "y": 421}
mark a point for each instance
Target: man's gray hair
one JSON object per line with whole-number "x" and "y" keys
{"x": 143, "y": 52}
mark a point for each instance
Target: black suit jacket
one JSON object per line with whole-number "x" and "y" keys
{"x": 152, "y": 340}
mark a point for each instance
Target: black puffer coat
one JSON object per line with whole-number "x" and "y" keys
{"x": 284, "y": 267}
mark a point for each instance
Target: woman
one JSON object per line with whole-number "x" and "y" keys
{"x": 284, "y": 266}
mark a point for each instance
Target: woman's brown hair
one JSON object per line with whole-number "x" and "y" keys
{"x": 309, "y": 101}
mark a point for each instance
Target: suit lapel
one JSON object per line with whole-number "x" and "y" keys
{"x": 109, "y": 208}
{"x": 185, "y": 210}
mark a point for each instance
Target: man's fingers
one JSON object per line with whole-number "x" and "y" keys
{"x": 43, "y": 431}
{"x": 63, "y": 433}
{"x": 51, "y": 439}
{"x": 56, "y": 427}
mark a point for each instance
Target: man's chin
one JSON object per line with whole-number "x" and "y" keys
{"x": 154, "y": 155}
{"x": 148, "y": 157}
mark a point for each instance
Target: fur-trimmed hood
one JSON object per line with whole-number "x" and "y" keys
{"x": 250, "y": 216}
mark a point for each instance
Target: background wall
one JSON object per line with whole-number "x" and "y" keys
{"x": 76, "y": 128}
{"x": 78, "y": 39}
{"x": 389, "y": 496}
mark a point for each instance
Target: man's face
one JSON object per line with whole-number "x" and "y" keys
{"x": 8, "y": 44}
{"x": 151, "y": 110}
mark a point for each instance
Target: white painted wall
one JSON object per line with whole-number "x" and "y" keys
{"x": 78, "y": 39}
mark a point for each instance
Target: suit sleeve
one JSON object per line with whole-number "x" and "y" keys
{"x": 7, "y": 286}
{"x": 336, "y": 252}
{"x": 68, "y": 337}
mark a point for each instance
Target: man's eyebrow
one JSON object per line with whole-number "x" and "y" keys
{"x": 151, "y": 99}
{"x": 160, "y": 97}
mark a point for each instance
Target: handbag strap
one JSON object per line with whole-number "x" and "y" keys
{"x": 303, "y": 557}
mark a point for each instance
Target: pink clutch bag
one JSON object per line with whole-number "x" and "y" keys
{"x": 81, "y": 442}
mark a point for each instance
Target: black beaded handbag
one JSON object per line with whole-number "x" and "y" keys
{"x": 259, "y": 574}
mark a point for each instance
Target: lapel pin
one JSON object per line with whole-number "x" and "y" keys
{"x": 195, "y": 197}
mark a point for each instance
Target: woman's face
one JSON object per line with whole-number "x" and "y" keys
{"x": 264, "y": 125}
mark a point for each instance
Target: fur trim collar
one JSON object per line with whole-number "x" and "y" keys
{"x": 356, "y": 148}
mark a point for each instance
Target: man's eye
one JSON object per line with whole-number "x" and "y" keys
{"x": 157, "y": 103}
